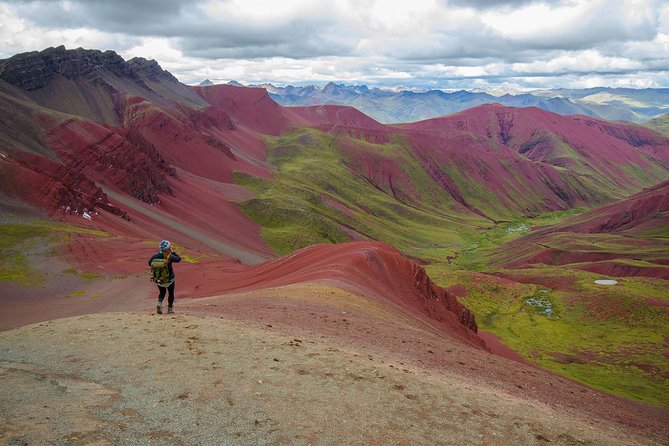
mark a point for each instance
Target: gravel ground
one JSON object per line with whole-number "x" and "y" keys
{"x": 128, "y": 378}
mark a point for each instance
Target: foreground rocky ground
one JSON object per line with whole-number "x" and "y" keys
{"x": 309, "y": 364}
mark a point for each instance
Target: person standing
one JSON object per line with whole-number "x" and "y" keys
{"x": 165, "y": 278}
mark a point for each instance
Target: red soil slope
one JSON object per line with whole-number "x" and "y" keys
{"x": 178, "y": 161}
{"x": 337, "y": 115}
{"x": 637, "y": 226}
{"x": 167, "y": 164}
{"x": 540, "y": 136}
{"x": 374, "y": 270}
{"x": 482, "y": 158}
{"x": 251, "y": 107}
{"x": 492, "y": 179}
{"x": 371, "y": 268}
{"x": 640, "y": 211}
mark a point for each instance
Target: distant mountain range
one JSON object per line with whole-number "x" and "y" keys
{"x": 395, "y": 106}
{"x": 87, "y": 123}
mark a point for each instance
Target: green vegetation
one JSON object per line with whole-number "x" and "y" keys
{"x": 15, "y": 267}
{"x": 15, "y": 241}
{"x": 18, "y": 242}
{"x": 478, "y": 251}
{"x": 329, "y": 189}
{"x": 611, "y": 338}
{"x": 321, "y": 195}
{"x": 606, "y": 337}
{"x": 82, "y": 274}
{"x": 660, "y": 124}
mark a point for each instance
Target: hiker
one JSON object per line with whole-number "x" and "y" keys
{"x": 163, "y": 274}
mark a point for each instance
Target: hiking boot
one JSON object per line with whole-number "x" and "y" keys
{"x": 159, "y": 309}
{"x": 170, "y": 310}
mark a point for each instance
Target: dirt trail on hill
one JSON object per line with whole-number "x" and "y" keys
{"x": 245, "y": 255}
{"x": 310, "y": 364}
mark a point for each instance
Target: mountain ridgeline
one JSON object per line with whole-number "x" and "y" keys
{"x": 397, "y": 106}
{"x": 80, "y": 126}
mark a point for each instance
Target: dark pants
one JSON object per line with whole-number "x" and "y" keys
{"x": 162, "y": 290}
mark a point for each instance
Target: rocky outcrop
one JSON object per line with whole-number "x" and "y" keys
{"x": 34, "y": 70}
{"x": 121, "y": 158}
{"x": 150, "y": 70}
{"x": 93, "y": 84}
{"x": 56, "y": 188}
{"x": 438, "y": 295}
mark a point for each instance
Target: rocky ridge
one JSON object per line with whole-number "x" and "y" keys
{"x": 33, "y": 70}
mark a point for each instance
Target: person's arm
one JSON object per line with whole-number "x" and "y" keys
{"x": 175, "y": 258}
{"x": 152, "y": 257}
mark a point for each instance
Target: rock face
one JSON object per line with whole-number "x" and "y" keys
{"x": 434, "y": 293}
{"x": 34, "y": 70}
{"x": 122, "y": 158}
{"x": 54, "y": 187}
{"x": 150, "y": 69}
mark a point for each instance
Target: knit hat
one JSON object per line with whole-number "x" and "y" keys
{"x": 165, "y": 245}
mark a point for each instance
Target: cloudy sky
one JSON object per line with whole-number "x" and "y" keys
{"x": 447, "y": 44}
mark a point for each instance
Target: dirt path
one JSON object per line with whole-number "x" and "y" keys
{"x": 125, "y": 378}
{"x": 245, "y": 255}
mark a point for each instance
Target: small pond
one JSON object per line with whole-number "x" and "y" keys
{"x": 606, "y": 282}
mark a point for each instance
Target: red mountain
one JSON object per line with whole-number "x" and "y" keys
{"x": 645, "y": 211}
{"x": 624, "y": 238}
{"x": 122, "y": 147}
{"x": 612, "y": 155}
{"x": 86, "y": 132}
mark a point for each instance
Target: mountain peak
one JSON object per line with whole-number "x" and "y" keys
{"x": 330, "y": 87}
{"x": 150, "y": 69}
{"x": 205, "y": 83}
{"x": 35, "y": 69}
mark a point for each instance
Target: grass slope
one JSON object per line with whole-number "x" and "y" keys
{"x": 19, "y": 240}
{"x": 318, "y": 197}
{"x": 661, "y": 124}
{"x": 609, "y": 337}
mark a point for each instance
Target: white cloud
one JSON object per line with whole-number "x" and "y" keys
{"x": 586, "y": 61}
{"x": 578, "y": 24}
{"x": 422, "y": 43}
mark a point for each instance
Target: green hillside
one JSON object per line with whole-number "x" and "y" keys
{"x": 317, "y": 197}
{"x": 661, "y": 124}
{"x": 554, "y": 314}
